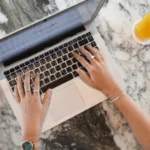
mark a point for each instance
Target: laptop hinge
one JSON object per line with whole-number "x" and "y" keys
{"x": 44, "y": 45}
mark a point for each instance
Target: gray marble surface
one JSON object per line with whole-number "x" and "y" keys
{"x": 102, "y": 127}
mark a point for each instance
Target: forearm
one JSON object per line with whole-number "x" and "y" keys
{"x": 137, "y": 118}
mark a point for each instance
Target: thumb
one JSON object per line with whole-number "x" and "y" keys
{"x": 47, "y": 98}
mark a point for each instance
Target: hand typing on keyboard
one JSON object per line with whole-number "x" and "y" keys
{"x": 98, "y": 76}
{"x": 33, "y": 110}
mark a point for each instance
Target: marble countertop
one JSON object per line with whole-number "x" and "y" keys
{"x": 102, "y": 127}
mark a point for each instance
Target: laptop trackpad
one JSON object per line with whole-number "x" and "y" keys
{"x": 65, "y": 102}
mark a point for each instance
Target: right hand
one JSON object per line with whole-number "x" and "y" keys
{"x": 99, "y": 75}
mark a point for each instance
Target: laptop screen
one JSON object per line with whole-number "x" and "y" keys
{"x": 46, "y": 30}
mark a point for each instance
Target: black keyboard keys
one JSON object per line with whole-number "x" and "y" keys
{"x": 90, "y": 38}
{"x": 58, "y": 75}
{"x": 48, "y": 65}
{"x": 12, "y": 83}
{"x": 42, "y": 68}
{"x": 83, "y": 42}
{"x": 57, "y": 82}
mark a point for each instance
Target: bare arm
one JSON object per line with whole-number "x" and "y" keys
{"x": 100, "y": 78}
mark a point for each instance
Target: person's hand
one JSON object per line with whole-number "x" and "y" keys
{"x": 33, "y": 110}
{"x": 99, "y": 75}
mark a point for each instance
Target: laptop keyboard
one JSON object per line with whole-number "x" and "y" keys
{"x": 56, "y": 66}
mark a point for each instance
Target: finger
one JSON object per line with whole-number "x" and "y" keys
{"x": 27, "y": 82}
{"x": 20, "y": 87}
{"x": 87, "y": 54}
{"x": 46, "y": 99}
{"x": 37, "y": 83}
{"x": 95, "y": 52}
{"x": 17, "y": 97}
{"x": 84, "y": 77}
{"x": 83, "y": 62}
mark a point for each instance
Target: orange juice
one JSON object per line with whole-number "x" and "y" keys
{"x": 142, "y": 29}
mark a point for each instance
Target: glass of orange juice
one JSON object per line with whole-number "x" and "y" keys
{"x": 141, "y": 30}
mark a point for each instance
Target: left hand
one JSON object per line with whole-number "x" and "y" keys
{"x": 33, "y": 110}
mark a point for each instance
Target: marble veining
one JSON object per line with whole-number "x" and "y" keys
{"x": 102, "y": 127}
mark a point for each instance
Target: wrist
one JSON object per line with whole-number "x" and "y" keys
{"x": 31, "y": 138}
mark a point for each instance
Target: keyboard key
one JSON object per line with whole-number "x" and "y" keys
{"x": 74, "y": 60}
{"x": 48, "y": 65}
{"x": 12, "y": 70}
{"x": 12, "y": 83}
{"x": 79, "y": 38}
{"x": 58, "y": 75}
{"x": 42, "y": 68}
{"x": 19, "y": 72}
{"x": 70, "y": 42}
{"x": 88, "y": 34}
{"x": 61, "y": 47}
{"x": 17, "y": 67}
{"x": 32, "y": 60}
{"x": 36, "y": 64}
{"x": 56, "y": 49}
{"x": 42, "y": 61}
{"x": 54, "y": 63}
{"x": 52, "y": 78}
{"x": 90, "y": 38}
{"x": 74, "y": 67}
{"x": 59, "y": 60}
{"x": 65, "y": 57}
{"x": 75, "y": 40}
{"x": 46, "y": 73}
{"x": 69, "y": 62}
{"x": 41, "y": 83}
{"x": 48, "y": 59}
{"x": 70, "y": 55}
{"x": 25, "y": 69}
{"x": 13, "y": 75}
{"x": 63, "y": 65}
{"x": 59, "y": 53}
{"x": 93, "y": 44}
{"x": 84, "y": 36}
{"x": 52, "y": 71}
{"x": 57, "y": 83}
{"x": 8, "y": 77}
{"x": 46, "y": 54}
{"x": 75, "y": 45}
{"x": 37, "y": 70}
{"x": 42, "y": 56}
{"x": 58, "y": 68}
{"x": 41, "y": 76}
{"x": 6, "y": 73}
{"x": 46, "y": 80}
{"x": 22, "y": 65}
{"x": 70, "y": 48}
{"x": 51, "y": 52}
{"x": 79, "y": 64}
{"x": 31, "y": 67}
{"x": 66, "y": 45}
{"x": 83, "y": 42}
{"x": 75, "y": 74}
{"x": 63, "y": 72}
{"x": 54, "y": 56}
{"x": 36, "y": 58}
{"x": 65, "y": 51}
{"x": 69, "y": 69}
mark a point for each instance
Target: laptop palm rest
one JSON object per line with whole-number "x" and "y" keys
{"x": 65, "y": 102}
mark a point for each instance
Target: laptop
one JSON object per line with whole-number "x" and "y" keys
{"x": 46, "y": 46}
